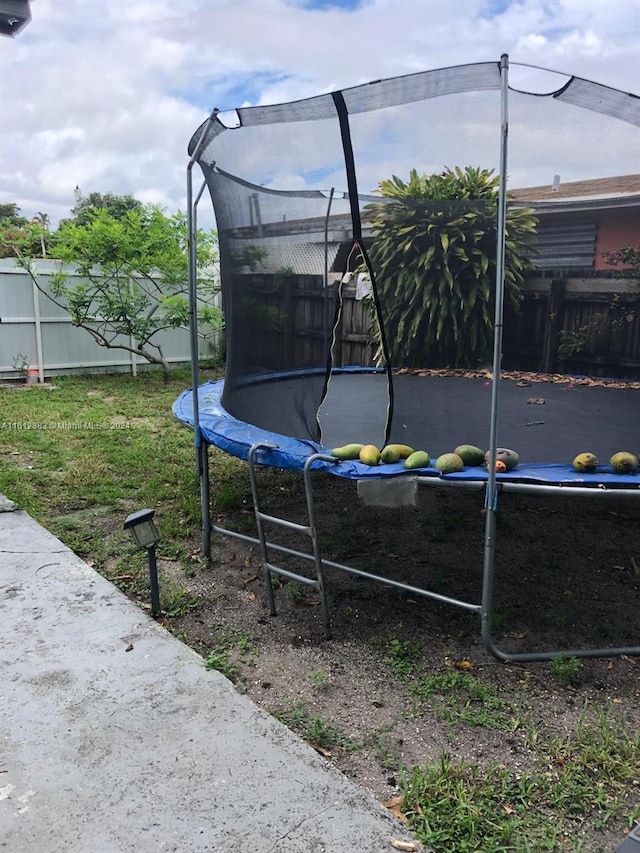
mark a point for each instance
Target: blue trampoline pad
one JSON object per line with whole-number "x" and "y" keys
{"x": 547, "y": 423}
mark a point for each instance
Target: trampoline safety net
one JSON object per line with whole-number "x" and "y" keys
{"x": 378, "y": 208}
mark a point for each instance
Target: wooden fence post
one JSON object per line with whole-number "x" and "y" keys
{"x": 554, "y": 322}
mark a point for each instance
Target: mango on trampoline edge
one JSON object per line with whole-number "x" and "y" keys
{"x": 347, "y": 451}
{"x": 417, "y": 459}
{"x": 389, "y": 454}
{"x": 470, "y": 454}
{"x": 370, "y": 455}
{"x": 585, "y": 463}
{"x": 510, "y": 458}
{"x": 624, "y": 462}
{"x": 404, "y": 451}
{"x": 449, "y": 463}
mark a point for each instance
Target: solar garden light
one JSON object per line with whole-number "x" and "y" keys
{"x": 146, "y": 535}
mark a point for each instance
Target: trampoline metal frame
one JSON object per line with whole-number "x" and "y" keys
{"x": 485, "y": 608}
{"x": 202, "y": 459}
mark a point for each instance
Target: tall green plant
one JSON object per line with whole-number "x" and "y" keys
{"x": 434, "y": 259}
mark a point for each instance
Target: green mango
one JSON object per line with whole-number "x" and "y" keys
{"x": 347, "y": 451}
{"x": 389, "y": 454}
{"x": 470, "y": 454}
{"x": 449, "y": 463}
{"x": 417, "y": 459}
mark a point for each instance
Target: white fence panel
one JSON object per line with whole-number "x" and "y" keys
{"x": 36, "y": 333}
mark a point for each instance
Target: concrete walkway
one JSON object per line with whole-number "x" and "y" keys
{"x": 114, "y": 737}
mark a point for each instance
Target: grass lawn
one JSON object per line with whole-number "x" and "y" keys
{"x": 80, "y": 454}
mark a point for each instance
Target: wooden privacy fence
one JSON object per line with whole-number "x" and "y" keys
{"x": 587, "y": 324}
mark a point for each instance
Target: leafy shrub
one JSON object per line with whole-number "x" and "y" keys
{"x": 434, "y": 260}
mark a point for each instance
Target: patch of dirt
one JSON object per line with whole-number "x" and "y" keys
{"x": 567, "y": 576}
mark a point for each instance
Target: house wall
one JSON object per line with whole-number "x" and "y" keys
{"x": 615, "y": 230}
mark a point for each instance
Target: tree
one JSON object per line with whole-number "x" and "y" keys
{"x": 17, "y": 232}
{"x": 131, "y": 278}
{"x": 117, "y": 206}
{"x": 10, "y": 215}
{"x": 434, "y": 259}
{"x": 42, "y": 220}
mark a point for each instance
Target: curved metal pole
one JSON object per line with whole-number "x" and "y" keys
{"x": 202, "y": 458}
{"x": 325, "y": 316}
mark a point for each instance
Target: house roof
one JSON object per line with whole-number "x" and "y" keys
{"x": 616, "y": 187}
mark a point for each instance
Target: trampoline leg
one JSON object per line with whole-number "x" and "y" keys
{"x": 270, "y": 596}
{"x": 205, "y": 505}
{"x": 486, "y": 614}
{"x": 264, "y": 554}
{"x": 315, "y": 540}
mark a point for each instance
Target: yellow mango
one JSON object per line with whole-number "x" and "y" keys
{"x": 369, "y": 455}
{"x": 404, "y": 451}
{"x": 624, "y": 462}
{"x": 585, "y": 463}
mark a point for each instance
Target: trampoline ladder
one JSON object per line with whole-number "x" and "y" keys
{"x": 310, "y": 530}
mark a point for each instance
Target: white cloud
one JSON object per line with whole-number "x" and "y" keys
{"x": 107, "y": 95}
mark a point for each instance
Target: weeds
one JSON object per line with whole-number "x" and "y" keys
{"x": 402, "y": 657}
{"x": 226, "y": 653}
{"x": 220, "y": 660}
{"x": 465, "y": 699}
{"x": 320, "y": 679}
{"x": 248, "y": 649}
{"x": 176, "y": 602}
{"x": 294, "y": 592}
{"x": 592, "y": 770}
{"x": 459, "y": 697}
{"x": 459, "y": 807}
{"x": 314, "y": 729}
{"x": 565, "y": 669}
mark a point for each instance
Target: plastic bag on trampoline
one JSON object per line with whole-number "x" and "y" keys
{"x": 389, "y": 491}
{"x": 364, "y": 287}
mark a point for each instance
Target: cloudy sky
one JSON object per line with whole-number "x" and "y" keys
{"x": 106, "y": 95}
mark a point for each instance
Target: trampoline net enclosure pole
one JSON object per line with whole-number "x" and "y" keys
{"x": 202, "y": 459}
{"x": 491, "y": 496}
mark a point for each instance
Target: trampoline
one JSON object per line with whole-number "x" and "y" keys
{"x": 291, "y": 393}
{"x": 538, "y": 416}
